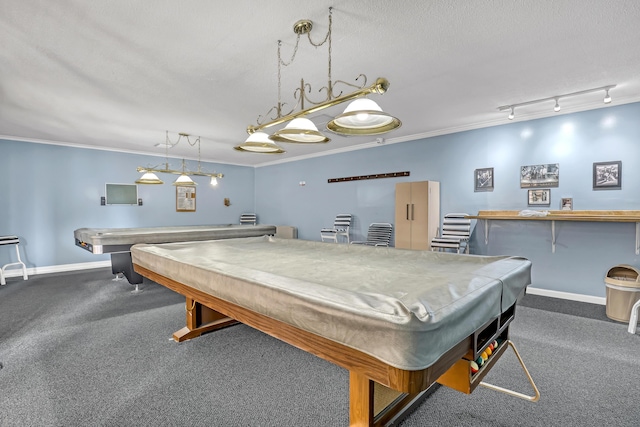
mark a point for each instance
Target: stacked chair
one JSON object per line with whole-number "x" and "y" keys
{"x": 454, "y": 234}
{"x": 248, "y": 219}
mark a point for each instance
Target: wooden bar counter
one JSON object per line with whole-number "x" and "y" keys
{"x": 559, "y": 215}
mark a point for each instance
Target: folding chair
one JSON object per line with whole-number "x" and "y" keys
{"x": 454, "y": 234}
{"x": 379, "y": 234}
{"x": 341, "y": 227}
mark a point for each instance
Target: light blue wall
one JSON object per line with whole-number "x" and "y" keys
{"x": 584, "y": 252}
{"x": 48, "y": 191}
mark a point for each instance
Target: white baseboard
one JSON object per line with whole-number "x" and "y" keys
{"x": 567, "y": 295}
{"x": 17, "y": 272}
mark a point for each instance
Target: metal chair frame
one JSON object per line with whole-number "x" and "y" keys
{"x": 379, "y": 234}
{"x": 248, "y": 219}
{"x": 633, "y": 320}
{"x": 454, "y": 234}
{"x": 341, "y": 227}
{"x": 12, "y": 240}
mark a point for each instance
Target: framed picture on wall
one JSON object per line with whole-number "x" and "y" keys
{"x": 483, "y": 179}
{"x": 185, "y": 199}
{"x": 607, "y": 175}
{"x": 539, "y": 197}
{"x": 566, "y": 204}
{"x": 540, "y": 175}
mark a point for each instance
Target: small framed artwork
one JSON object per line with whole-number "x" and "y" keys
{"x": 566, "y": 204}
{"x": 540, "y": 175}
{"x": 607, "y": 175}
{"x": 483, "y": 179}
{"x": 185, "y": 199}
{"x": 539, "y": 197}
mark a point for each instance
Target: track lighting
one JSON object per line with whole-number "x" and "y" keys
{"x": 511, "y": 108}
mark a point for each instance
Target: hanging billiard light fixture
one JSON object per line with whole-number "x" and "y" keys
{"x": 361, "y": 117}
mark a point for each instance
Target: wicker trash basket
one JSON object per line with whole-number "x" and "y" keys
{"x": 623, "y": 291}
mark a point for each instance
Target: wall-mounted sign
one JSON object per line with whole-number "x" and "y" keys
{"x": 185, "y": 199}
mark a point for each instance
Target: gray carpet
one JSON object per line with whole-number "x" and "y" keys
{"x": 78, "y": 349}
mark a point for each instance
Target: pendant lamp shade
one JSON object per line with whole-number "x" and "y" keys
{"x": 184, "y": 180}
{"x": 259, "y": 142}
{"x": 363, "y": 117}
{"x": 299, "y": 130}
{"x": 149, "y": 178}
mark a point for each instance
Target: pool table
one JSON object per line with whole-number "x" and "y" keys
{"x": 118, "y": 241}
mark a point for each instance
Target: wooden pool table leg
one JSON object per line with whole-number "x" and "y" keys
{"x": 374, "y": 405}
{"x": 201, "y": 319}
{"x": 361, "y": 391}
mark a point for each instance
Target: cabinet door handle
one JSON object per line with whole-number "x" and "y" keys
{"x": 412, "y": 216}
{"x": 407, "y": 211}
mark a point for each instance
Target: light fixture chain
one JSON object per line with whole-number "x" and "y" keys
{"x": 172, "y": 143}
{"x": 326, "y": 37}
{"x": 194, "y": 142}
{"x": 330, "y": 84}
{"x": 166, "y": 150}
{"x": 293, "y": 56}
{"x": 279, "y": 82}
{"x": 198, "y": 140}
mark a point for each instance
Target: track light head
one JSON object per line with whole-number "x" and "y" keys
{"x": 607, "y": 97}
{"x": 557, "y": 106}
{"x": 512, "y": 114}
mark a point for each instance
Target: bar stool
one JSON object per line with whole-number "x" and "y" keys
{"x": 12, "y": 240}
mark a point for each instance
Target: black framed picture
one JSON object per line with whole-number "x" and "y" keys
{"x": 540, "y": 175}
{"x": 607, "y": 175}
{"x": 483, "y": 179}
{"x": 539, "y": 197}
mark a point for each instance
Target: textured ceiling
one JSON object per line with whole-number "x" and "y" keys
{"x": 118, "y": 74}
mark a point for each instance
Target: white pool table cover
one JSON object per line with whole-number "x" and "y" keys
{"x": 404, "y": 307}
